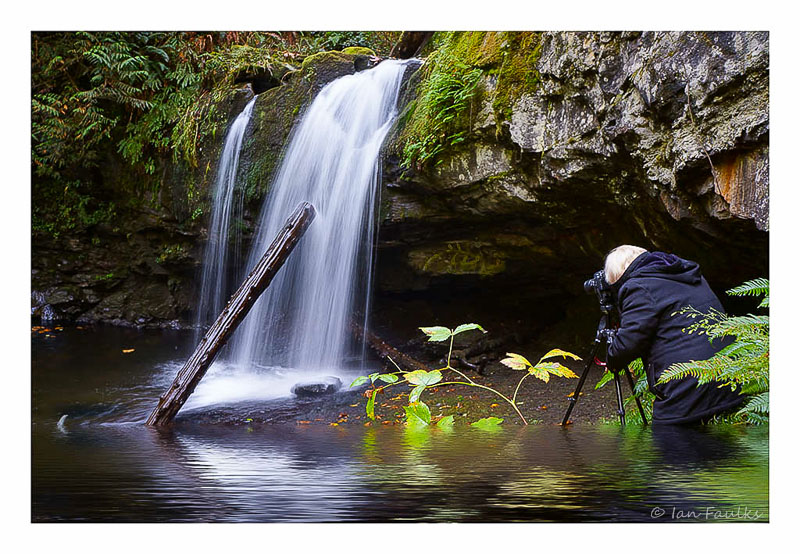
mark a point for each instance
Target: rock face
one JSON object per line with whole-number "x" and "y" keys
{"x": 568, "y": 144}
{"x": 574, "y": 143}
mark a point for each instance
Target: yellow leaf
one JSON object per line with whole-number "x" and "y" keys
{"x": 515, "y": 361}
{"x": 128, "y": 350}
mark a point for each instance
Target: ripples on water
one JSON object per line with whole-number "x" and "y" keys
{"x": 101, "y": 464}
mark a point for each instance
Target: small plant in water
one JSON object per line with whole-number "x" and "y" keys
{"x": 418, "y": 413}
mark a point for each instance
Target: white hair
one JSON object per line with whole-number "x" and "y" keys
{"x": 619, "y": 259}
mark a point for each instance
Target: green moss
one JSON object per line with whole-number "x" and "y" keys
{"x": 518, "y": 73}
{"x": 330, "y": 56}
{"x": 439, "y": 119}
{"x": 459, "y": 258}
{"x": 358, "y": 51}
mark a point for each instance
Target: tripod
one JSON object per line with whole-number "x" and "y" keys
{"x": 601, "y": 341}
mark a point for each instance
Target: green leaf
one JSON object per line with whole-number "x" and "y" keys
{"x": 467, "y": 327}
{"x": 373, "y": 376}
{"x": 436, "y": 334}
{"x": 371, "y": 405}
{"x": 359, "y": 381}
{"x": 446, "y": 421}
{"x": 388, "y": 378}
{"x": 488, "y": 423}
{"x": 416, "y": 391}
{"x": 422, "y": 377}
{"x": 515, "y": 361}
{"x": 418, "y": 413}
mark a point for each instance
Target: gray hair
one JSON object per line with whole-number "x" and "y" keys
{"x": 619, "y": 259}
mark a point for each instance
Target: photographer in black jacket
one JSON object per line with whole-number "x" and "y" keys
{"x": 650, "y": 288}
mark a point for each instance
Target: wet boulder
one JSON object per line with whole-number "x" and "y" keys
{"x": 321, "y": 387}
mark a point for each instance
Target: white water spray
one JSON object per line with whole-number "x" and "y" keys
{"x": 303, "y": 320}
{"x": 223, "y": 249}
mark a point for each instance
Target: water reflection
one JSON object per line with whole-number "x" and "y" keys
{"x": 101, "y": 464}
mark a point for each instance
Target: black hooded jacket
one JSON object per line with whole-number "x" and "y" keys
{"x": 654, "y": 287}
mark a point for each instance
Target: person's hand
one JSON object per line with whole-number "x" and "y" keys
{"x": 609, "y": 335}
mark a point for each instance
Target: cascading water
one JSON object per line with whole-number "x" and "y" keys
{"x": 301, "y": 324}
{"x": 303, "y": 319}
{"x": 223, "y": 249}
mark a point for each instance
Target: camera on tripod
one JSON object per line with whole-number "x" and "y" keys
{"x": 605, "y": 295}
{"x": 608, "y": 322}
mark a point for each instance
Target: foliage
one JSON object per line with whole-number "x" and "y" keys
{"x": 640, "y": 390}
{"x": 145, "y": 96}
{"x": 418, "y": 413}
{"x": 439, "y": 116}
{"x": 743, "y": 365}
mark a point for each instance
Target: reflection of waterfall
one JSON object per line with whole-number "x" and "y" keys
{"x": 223, "y": 250}
{"x": 302, "y": 320}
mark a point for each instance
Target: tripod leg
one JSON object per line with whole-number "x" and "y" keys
{"x": 636, "y": 398}
{"x": 620, "y": 404}
{"x": 574, "y": 398}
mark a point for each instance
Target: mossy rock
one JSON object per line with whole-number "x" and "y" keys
{"x": 358, "y": 51}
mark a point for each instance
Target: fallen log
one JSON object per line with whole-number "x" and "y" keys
{"x": 239, "y": 305}
{"x": 385, "y": 351}
{"x": 409, "y": 44}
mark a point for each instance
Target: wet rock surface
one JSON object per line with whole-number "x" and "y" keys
{"x": 657, "y": 139}
{"x": 310, "y": 389}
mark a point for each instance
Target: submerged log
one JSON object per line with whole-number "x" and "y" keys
{"x": 409, "y": 44}
{"x": 385, "y": 351}
{"x": 239, "y": 305}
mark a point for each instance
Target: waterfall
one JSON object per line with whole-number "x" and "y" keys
{"x": 223, "y": 249}
{"x": 301, "y": 324}
{"x": 303, "y": 320}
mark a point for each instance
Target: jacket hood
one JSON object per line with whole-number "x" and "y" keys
{"x": 663, "y": 266}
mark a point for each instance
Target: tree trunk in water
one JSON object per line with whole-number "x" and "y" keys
{"x": 239, "y": 305}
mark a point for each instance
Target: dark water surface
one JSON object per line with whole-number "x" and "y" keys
{"x": 102, "y": 464}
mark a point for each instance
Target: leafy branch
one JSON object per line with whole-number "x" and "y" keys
{"x": 418, "y": 413}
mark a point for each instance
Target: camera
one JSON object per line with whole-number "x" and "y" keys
{"x": 605, "y": 295}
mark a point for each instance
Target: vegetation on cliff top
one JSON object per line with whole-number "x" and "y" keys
{"x": 144, "y": 97}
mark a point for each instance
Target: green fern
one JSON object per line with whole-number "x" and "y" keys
{"x": 743, "y": 365}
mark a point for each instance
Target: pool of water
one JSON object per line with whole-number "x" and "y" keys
{"x": 101, "y": 464}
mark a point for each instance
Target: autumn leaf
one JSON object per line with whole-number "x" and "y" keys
{"x": 515, "y": 361}
{"x": 558, "y": 352}
{"x": 128, "y": 350}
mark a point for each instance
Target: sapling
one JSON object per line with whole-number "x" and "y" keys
{"x": 418, "y": 413}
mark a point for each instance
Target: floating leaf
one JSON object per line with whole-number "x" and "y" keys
{"x": 415, "y": 392}
{"x": 128, "y": 350}
{"x": 467, "y": 327}
{"x": 359, "y": 381}
{"x": 418, "y": 413}
{"x": 422, "y": 377}
{"x": 446, "y": 421}
{"x": 488, "y": 423}
{"x": 388, "y": 378}
{"x": 515, "y": 361}
{"x": 436, "y": 334}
